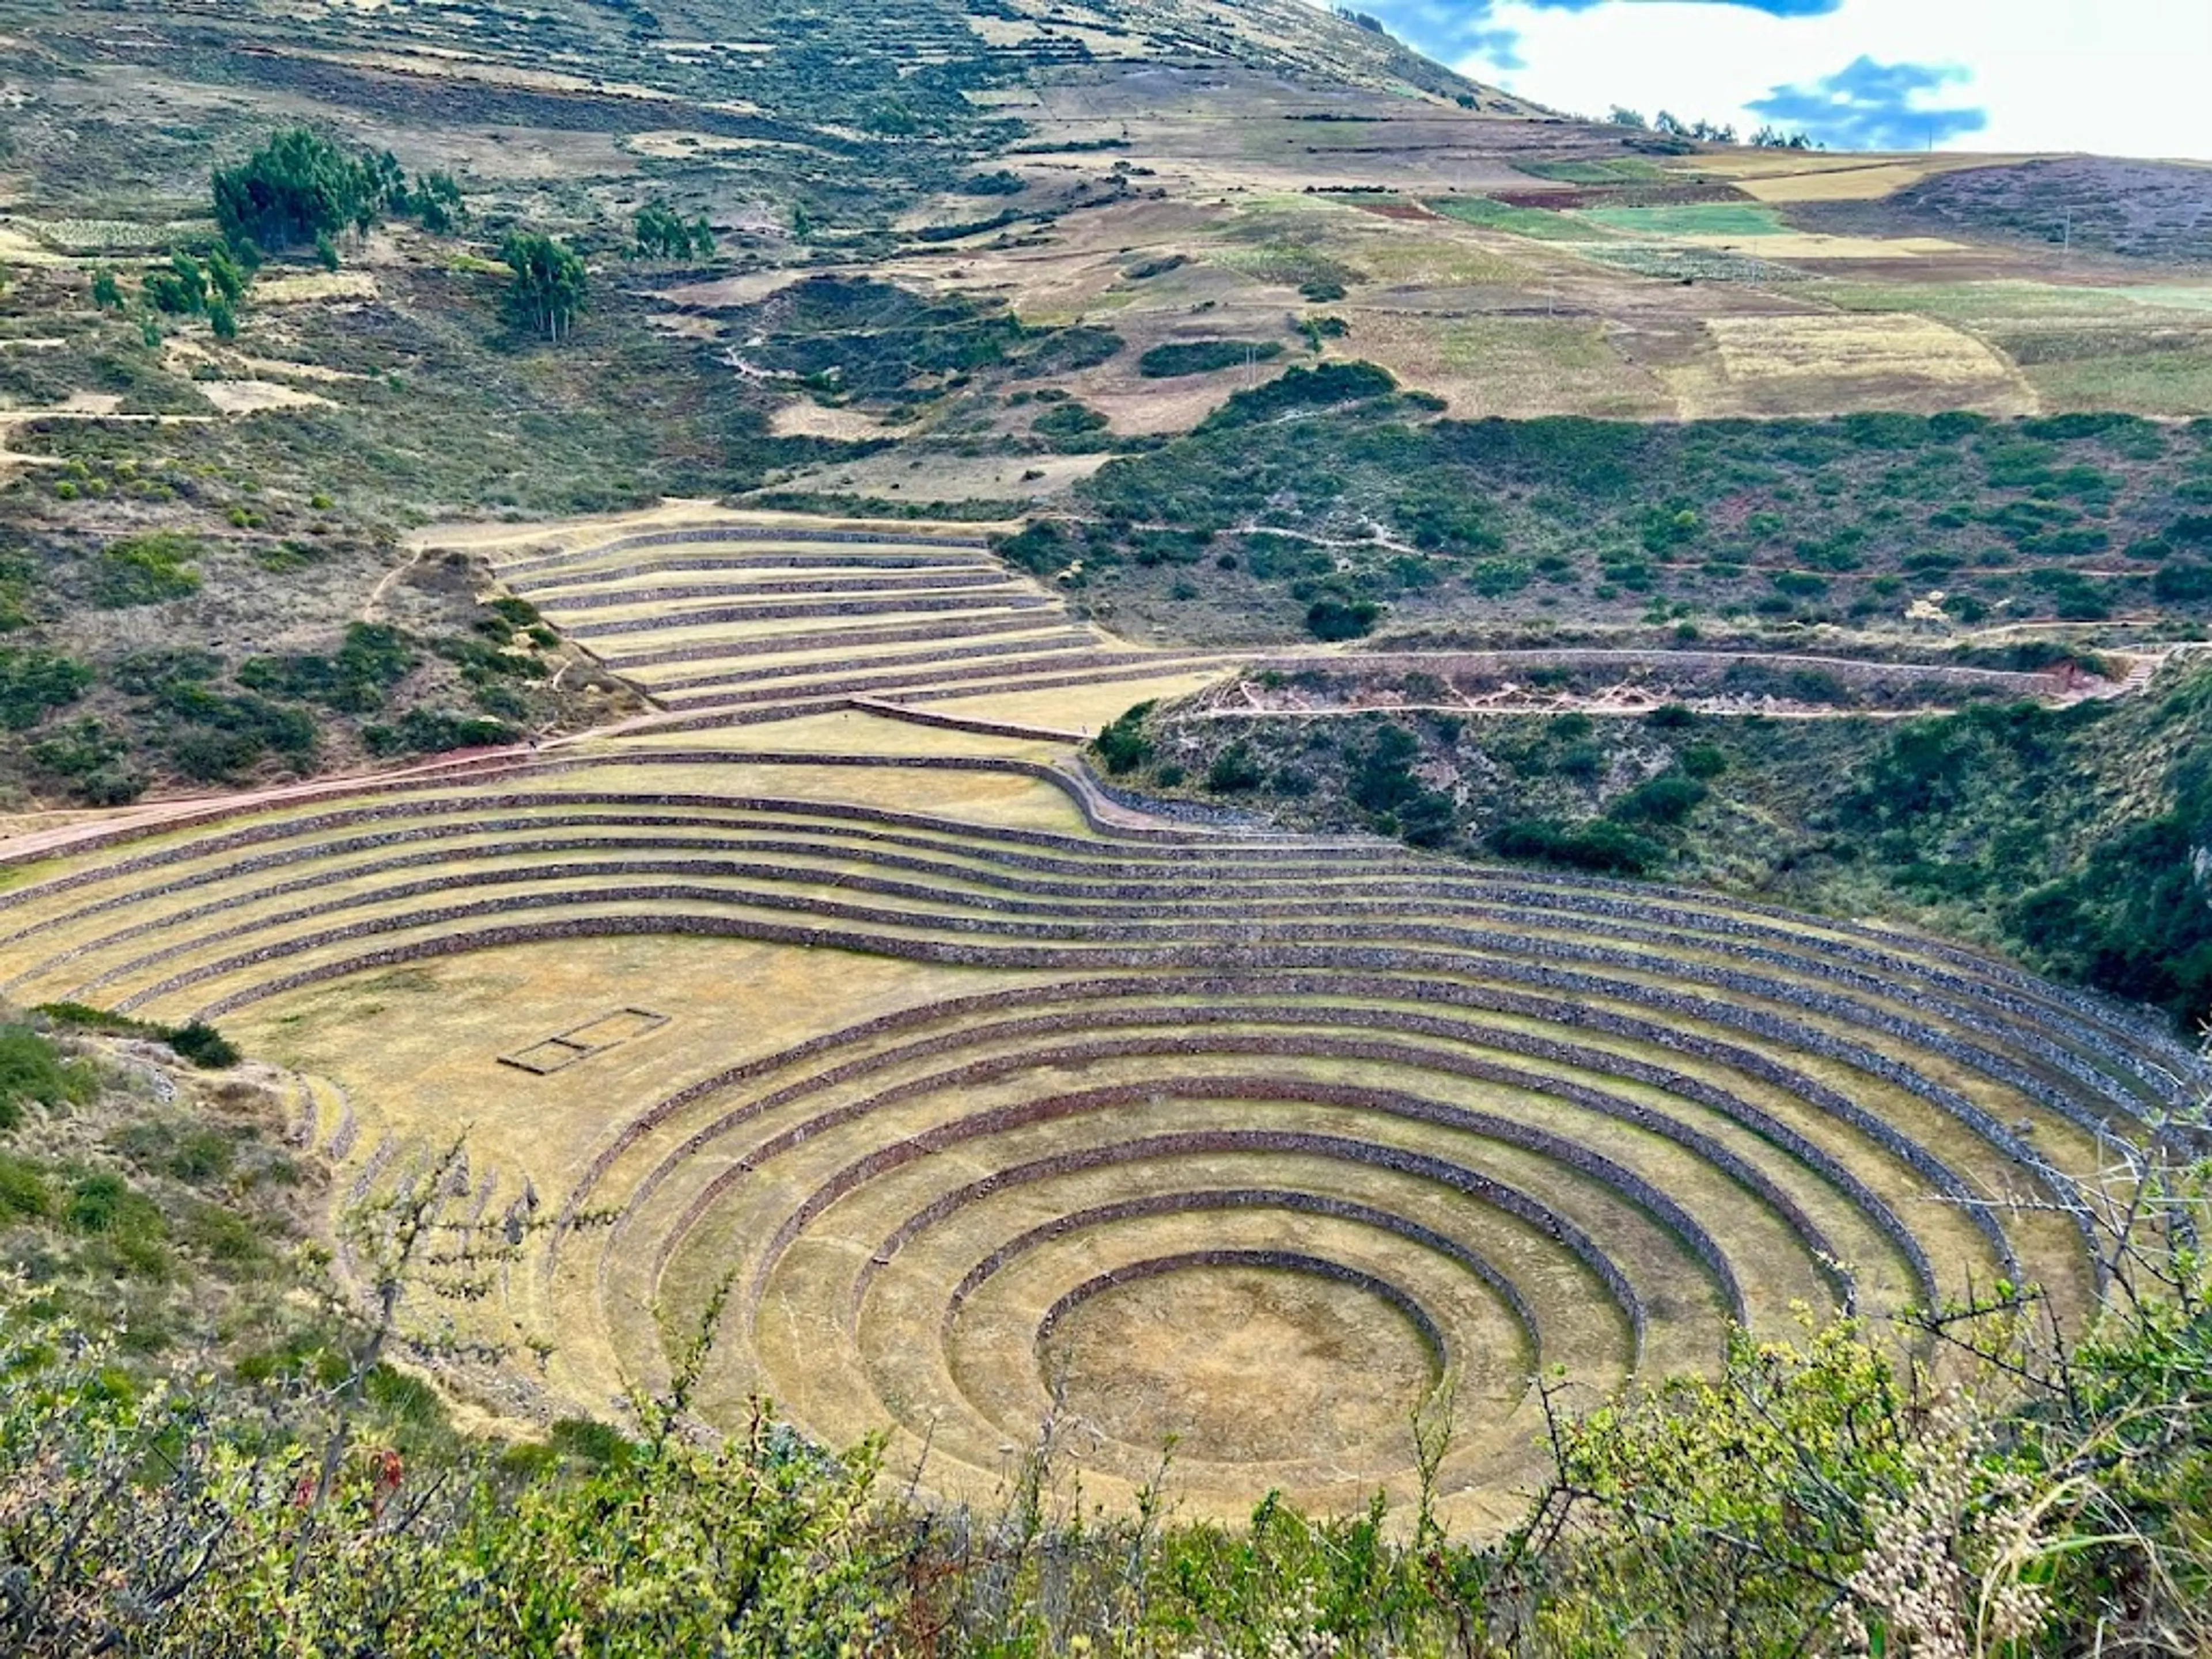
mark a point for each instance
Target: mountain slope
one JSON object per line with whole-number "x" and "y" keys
{"x": 964, "y": 255}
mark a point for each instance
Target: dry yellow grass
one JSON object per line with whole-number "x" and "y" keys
{"x": 296, "y": 287}
{"x": 1807, "y": 362}
{"x": 1794, "y": 176}
{"x": 1300, "y": 1377}
{"x": 20, "y": 248}
{"x": 981, "y": 798}
{"x": 1507, "y": 366}
{"x": 422, "y": 1045}
{"x": 854, "y": 731}
{"x": 522, "y": 540}
{"x": 1806, "y": 245}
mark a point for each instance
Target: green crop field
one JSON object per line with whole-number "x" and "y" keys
{"x": 1701, "y": 219}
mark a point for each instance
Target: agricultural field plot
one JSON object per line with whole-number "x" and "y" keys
{"x": 753, "y": 618}
{"x": 2083, "y": 340}
{"x": 984, "y": 1100}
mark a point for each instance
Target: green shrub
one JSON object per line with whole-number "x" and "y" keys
{"x": 356, "y": 678}
{"x": 1428, "y": 819}
{"x": 33, "y": 1071}
{"x": 2073, "y": 595}
{"x": 217, "y": 738}
{"x": 221, "y": 1234}
{"x": 1324, "y": 386}
{"x": 1040, "y": 547}
{"x": 204, "y": 1046}
{"x": 24, "y": 1193}
{"x": 82, "y": 752}
{"x": 425, "y": 732}
{"x": 1151, "y": 547}
{"x": 2183, "y": 582}
{"x": 146, "y": 569}
{"x": 32, "y": 682}
{"x": 1494, "y": 579}
{"x": 1667, "y": 799}
{"x": 1332, "y": 618}
{"x": 198, "y": 1156}
{"x": 1178, "y": 358}
{"x": 589, "y": 1441}
{"x": 178, "y": 289}
{"x": 2132, "y": 919}
{"x": 1597, "y": 844}
{"x": 103, "y": 1205}
{"x": 1437, "y": 521}
{"x": 1123, "y": 744}
{"x": 1235, "y": 770}
{"x": 1703, "y": 760}
{"x": 405, "y": 1399}
{"x": 1072, "y": 428}
{"x": 84, "y": 1017}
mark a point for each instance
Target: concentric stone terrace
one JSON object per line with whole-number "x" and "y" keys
{"x": 980, "y": 1104}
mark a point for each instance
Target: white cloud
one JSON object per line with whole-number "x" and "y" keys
{"x": 2127, "y": 77}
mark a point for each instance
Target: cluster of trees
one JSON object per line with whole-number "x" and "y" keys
{"x": 549, "y": 283}
{"x": 301, "y": 189}
{"x": 298, "y": 191}
{"x": 662, "y": 234}
{"x": 211, "y": 287}
{"x": 1673, "y": 126}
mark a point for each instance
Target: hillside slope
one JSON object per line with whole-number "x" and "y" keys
{"x": 954, "y": 259}
{"x": 2073, "y": 839}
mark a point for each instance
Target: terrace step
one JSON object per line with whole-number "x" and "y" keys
{"x": 1040, "y": 644}
{"x": 956, "y": 678}
{"x": 994, "y": 604}
{"x": 856, "y": 639}
{"x": 601, "y": 596}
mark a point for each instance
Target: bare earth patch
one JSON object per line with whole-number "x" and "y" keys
{"x": 253, "y": 397}
{"x": 802, "y": 417}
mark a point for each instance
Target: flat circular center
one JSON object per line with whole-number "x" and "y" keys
{"x": 1244, "y": 1365}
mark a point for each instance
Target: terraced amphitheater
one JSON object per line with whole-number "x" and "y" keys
{"x": 976, "y": 1101}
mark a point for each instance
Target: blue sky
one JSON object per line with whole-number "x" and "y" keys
{"x": 2129, "y": 77}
